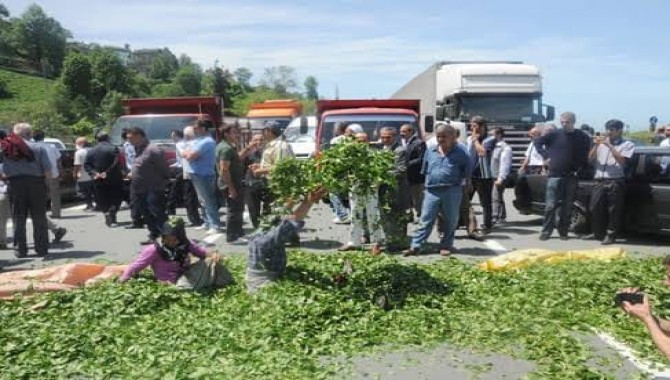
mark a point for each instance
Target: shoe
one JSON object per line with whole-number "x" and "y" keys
{"x": 609, "y": 239}
{"x": 347, "y": 248}
{"x": 346, "y": 220}
{"x": 42, "y": 254}
{"x": 476, "y": 236}
{"x": 544, "y": 237}
{"x": 564, "y": 237}
{"x": 59, "y": 233}
{"x": 446, "y": 252}
{"x": 212, "y": 231}
{"x": 410, "y": 252}
{"x": 20, "y": 254}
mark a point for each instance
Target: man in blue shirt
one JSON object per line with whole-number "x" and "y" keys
{"x": 202, "y": 160}
{"x": 567, "y": 150}
{"x": 447, "y": 168}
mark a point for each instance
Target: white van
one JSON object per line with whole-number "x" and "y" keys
{"x": 303, "y": 146}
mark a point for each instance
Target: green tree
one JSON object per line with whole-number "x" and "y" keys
{"x": 164, "y": 66}
{"x": 109, "y": 74}
{"x": 111, "y": 107}
{"x": 243, "y": 77}
{"x": 311, "y": 88}
{"x": 282, "y": 79}
{"x": 220, "y": 82}
{"x": 77, "y": 75}
{"x": 40, "y": 39}
{"x": 167, "y": 90}
{"x": 189, "y": 78}
{"x": 83, "y": 127}
{"x": 6, "y": 48}
{"x": 185, "y": 60}
{"x": 4, "y": 12}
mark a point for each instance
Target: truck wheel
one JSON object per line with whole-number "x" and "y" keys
{"x": 578, "y": 220}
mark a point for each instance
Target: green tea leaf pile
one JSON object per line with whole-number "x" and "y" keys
{"x": 345, "y": 167}
{"x": 317, "y": 313}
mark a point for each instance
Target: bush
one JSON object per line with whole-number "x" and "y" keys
{"x": 83, "y": 127}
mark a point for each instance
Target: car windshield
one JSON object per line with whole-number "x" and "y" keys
{"x": 293, "y": 135}
{"x": 157, "y": 127}
{"x": 371, "y": 124}
{"x": 502, "y": 108}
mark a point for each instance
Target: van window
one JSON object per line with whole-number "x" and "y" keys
{"x": 371, "y": 124}
{"x": 157, "y": 127}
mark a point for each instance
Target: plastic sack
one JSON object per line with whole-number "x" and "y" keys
{"x": 525, "y": 257}
{"x": 56, "y": 278}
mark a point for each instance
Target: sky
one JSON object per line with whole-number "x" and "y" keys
{"x": 601, "y": 59}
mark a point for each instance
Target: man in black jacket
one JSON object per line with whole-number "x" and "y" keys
{"x": 102, "y": 164}
{"x": 416, "y": 148}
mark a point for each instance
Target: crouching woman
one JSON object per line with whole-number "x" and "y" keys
{"x": 177, "y": 260}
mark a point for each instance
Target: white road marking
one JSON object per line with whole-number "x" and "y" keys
{"x": 494, "y": 246}
{"x": 626, "y": 352}
{"x": 211, "y": 239}
{"x": 30, "y": 221}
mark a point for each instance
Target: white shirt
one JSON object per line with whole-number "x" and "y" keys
{"x": 665, "y": 142}
{"x": 79, "y": 160}
{"x": 501, "y": 161}
{"x": 337, "y": 139}
{"x": 54, "y": 155}
{"x": 184, "y": 164}
{"x": 536, "y": 158}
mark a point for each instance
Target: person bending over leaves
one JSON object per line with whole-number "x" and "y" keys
{"x": 267, "y": 249}
{"x": 171, "y": 261}
{"x": 659, "y": 329}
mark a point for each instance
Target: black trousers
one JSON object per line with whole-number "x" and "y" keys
{"x": 28, "y": 195}
{"x": 258, "y": 203}
{"x": 152, "y": 203}
{"x": 175, "y": 194}
{"x": 108, "y": 197}
{"x": 191, "y": 202}
{"x": 484, "y": 189}
{"x": 608, "y": 202}
{"x": 87, "y": 192}
{"x": 235, "y": 215}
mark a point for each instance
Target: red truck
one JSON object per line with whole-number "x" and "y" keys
{"x": 371, "y": 114}
{"x": 159, "y": 117}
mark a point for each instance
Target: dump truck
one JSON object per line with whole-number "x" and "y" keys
{"x": 507, "y": 94}
{"x": 280, "y": 111}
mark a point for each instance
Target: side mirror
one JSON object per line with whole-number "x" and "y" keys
{"x": 440, "y": 113}
{"x": 428, "y": 123}
{"x": 551, "y": 113}
{"x": 303, "y": 125}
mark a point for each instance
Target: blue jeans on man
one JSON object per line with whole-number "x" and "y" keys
{"x": 151, "y": 204}
{"x": 338, "y": 206}
{"x": 205, "y": 187}
{"x": 445, "y": 199}
{"x": 560, "y": 194}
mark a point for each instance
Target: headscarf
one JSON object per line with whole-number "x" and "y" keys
{"x": 174, "y": 227}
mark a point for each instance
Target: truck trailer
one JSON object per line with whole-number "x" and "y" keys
{"x": 507, "y": 94}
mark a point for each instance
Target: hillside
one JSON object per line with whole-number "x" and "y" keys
{"x": 26, "y": 89}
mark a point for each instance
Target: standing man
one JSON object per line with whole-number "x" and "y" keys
{"x": 150, "y": 174}
{"x": 190, "y": 196}
{"x": 136, "y": 211}
{"x": 26, "y": 166}
{"x": 481, "y": 149}
{"x": 231, "y": 173}
{"x": 84, "y": 181}
{"x": 415, "y": 151}
{"x": 567, "y": 151}
{"x": 447, "y": 168}
{"x": 337, "y": 200}
{"x": 395, "y": 210}
{"x": 53, "y": 182}
{"x": 533, "y": 160}
{"x": 256, "y": 190}
{"x": 501, "y": 166}
{"x": 201, "y": 156}
{"x": 103, "y": 165}
{"x": 611, "y": 154}
{"x": 176, "y": 184}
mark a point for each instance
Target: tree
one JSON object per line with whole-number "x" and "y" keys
{"x": 109, "y": 74}
{"x": 77, "y": 75}
{"x": 282, "y": 79}
{"x": 311, "y": 85}
{"x": 111, "y": 107}
{"x": 185, "y": 60}
{"x": 164, "y": 65}
{"x": 6, "y": 48}
{"x": 4, "y": 12}
{"x": 167, "y": 90}
{"x": 40, "y": 39}
{"x": 189, "y": 78}
{"x": 243, "y": 77}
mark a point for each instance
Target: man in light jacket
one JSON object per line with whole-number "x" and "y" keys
{"x": 501, "y": 166}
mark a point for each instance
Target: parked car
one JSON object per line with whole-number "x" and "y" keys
{"x": 68, "y": 185}
{"x": 303, "y": 145}
{"x": 647, "y": 195}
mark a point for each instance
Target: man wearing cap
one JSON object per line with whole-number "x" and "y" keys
{"x": 611, "y": 154}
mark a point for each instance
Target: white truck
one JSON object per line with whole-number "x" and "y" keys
{"x": 506, "y": 94}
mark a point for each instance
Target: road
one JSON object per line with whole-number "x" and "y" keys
{"x": 88, "y": 239}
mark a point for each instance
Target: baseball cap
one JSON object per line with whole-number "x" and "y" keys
{"x": 614, "y": 124}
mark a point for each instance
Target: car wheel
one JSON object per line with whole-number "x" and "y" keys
{"x": 578, "y": 220}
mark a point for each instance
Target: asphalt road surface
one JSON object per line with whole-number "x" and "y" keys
{"x": 89, "y": 240}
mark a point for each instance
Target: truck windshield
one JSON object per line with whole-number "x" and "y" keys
{"x": 157, "y": 127}
{"x": 499, "y": 108}
{"x": 257, "y": 123}
{"x": 371, "y": 124}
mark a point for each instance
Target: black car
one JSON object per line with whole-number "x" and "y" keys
{"x": 647, "y": 195}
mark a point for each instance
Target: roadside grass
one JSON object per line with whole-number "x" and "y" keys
{"x": 25, "y": 89}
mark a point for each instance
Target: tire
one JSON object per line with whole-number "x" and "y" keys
{"x": 579, "y": 220}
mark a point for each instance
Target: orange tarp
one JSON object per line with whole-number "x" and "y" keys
{"x": 56, "y": 278}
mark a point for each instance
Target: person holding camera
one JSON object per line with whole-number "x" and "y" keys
{"x": 610, "y": 154}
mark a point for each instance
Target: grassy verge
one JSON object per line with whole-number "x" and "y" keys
{"x": 26, "y": 89}
{"x": 145, "y": 330}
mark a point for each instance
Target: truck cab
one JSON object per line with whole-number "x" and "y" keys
{"x": 372, "y": 115}
{"x": 280, "y": 111}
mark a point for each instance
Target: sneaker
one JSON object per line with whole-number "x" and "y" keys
{"x": 59, "y": 233}
{"x": 212, "y": 231}
{"x": 544, "y": 237}
{"x": 609, "y": 239}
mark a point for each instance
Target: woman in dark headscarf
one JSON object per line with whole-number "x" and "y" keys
{"x": 171, "y": 261}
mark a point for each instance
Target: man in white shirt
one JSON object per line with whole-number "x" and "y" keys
{"x": 501, "y": 166}
{"x": 53, "y": 183}
{"x": 533, "y": 161}
{"x": 84, "y": 180}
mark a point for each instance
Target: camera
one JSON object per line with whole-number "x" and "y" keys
{"x": 633, "y": 298}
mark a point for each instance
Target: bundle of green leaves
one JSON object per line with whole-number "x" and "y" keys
{"x": 301, "y": 327}
{"x": 343, "y": 168}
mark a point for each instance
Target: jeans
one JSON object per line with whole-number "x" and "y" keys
{"x": 560, "y": 193}
{"x": 205, "y": 187}
{"x": 447, "y": 200}
{"x": 152, "y": 203}
{"x": 338, "y": 206}
{"x": 499, "y": 209}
